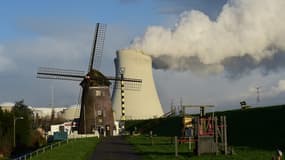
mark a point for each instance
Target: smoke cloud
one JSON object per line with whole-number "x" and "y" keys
{"x": 246, "y": 34}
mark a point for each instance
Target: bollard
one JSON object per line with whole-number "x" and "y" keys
{"x": 176, "y": 146}
{"x": 150, "y": 133}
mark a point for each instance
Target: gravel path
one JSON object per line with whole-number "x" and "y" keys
{"x": 114, "y": 148}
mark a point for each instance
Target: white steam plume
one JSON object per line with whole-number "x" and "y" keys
{"x": 253, "y": 30}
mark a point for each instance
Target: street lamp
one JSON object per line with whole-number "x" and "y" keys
{"x": 15, "y": 119}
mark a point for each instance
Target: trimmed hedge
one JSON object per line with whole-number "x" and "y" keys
{"x": 261, "y": 127}
{"x": 257, "y": 127}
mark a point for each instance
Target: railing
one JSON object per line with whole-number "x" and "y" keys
{"x": 53, "y": 145}
{"x": 40, "y": 150}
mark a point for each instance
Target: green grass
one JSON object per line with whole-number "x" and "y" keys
{"x": 79, "y": 149}
{"x": 163, "y": 149}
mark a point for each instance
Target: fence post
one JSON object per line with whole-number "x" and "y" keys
{"x": 150, "y": 133}
{"x": 176, "y": 146}
{"x": 225, "y": 135}
{"x": 216, "y": 135}
{"x": 189, "y": 143}
{"x": 222, "y": 130}
{"x": 171, "y": 140}
{"x": 198, "y": 136}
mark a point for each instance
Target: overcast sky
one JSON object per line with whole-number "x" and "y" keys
{"x": 59, "y": 34}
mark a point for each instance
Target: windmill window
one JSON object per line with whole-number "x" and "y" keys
{"x": 98, "y": 93}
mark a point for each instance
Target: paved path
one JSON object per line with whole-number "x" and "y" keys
{"x": 114, "y": 148}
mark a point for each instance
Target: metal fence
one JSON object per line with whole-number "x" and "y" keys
{"x": 40, "y": 150}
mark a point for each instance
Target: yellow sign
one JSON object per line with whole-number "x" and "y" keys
{"x": 187, "y": 121}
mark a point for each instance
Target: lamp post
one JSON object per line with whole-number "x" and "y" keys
{"x": 15, "y": 119}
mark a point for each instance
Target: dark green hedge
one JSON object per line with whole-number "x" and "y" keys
{"x": 162, "y": 126}
{"x": 257, "y": 127}
{"x": 261, "y": 127}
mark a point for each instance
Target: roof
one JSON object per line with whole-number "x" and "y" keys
{"x": 7, "y": 104}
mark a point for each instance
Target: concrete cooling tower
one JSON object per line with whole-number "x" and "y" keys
{"x": 141, "y": 102}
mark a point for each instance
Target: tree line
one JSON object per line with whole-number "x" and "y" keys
{"x": 27, "y": 135}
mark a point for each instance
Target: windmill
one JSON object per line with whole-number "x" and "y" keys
{"x": 96, "y": 109}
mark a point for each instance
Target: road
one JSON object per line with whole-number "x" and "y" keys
{"x": 114, "y": 148}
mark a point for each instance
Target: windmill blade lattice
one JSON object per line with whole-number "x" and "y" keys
{"x": 59, "y": 78}
{"x": 133, "y": 86}
{"x": 61, "y": 74}
{"x": 60, "y": 71}
{"x": 97, "y": 48}
{"x": 130, "y": 83}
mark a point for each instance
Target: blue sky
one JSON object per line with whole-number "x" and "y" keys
{"x": 134, "y": 13}
{"x": 13, "y": 12}
{"x": 59, "y": 34}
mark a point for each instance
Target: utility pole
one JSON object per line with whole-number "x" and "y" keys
{"x": 258, "y": 94}
{"x": 181, "y": 107}
{"x": 172, "y": 107}
{"x": 84, "y": 107}
{"x": 14, "y": 137}
{"x": 52, "y": 95}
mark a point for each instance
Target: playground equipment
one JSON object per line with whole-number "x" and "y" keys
{"x": 206, "y": 131}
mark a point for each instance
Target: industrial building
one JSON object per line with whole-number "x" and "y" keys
{"x": 70, "y": 113}
{"x": 141, "y": 100}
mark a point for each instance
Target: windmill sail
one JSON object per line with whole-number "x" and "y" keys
{"x": 97, "y": 48}
{"x": 77, "y": 75}
{"x": 60, "y": 74}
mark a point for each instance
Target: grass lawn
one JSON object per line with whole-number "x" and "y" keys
{"x": 79, "y": 149}
{"x": 162, "y": 149}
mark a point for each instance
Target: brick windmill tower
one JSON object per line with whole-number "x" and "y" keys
{"x": 96, "y": 107}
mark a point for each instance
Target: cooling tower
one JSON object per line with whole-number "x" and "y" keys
{"x": 70, "y": 113}
{"x": 140, "y": 102}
